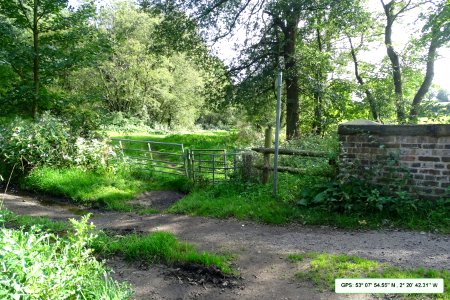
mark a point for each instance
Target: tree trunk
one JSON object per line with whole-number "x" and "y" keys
{"x": 431, "y": 57}
{"x": 291, "y": 81}
{"x": 317, "y": 121}
{"x": 395, "y": 64}
{"x": 369, "y": 95}
{"x": 34, "y": 107}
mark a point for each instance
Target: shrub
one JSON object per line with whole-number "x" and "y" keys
{"x": 357, "y": 196}
{"x": 320, "y": 166}
{"x": 39, "y": 265}
{"x": 49, "y": 141}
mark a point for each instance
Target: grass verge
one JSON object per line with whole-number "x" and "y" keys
{"x": 246, "y": 201}
{"x": 10, "y": 219}
{"x": 112, "y": 190}
{"x": 158, "y": 247}
{"x": 108, "y": 189}
{"x": 255, "y": 202}
{"x": 324, "y": 268}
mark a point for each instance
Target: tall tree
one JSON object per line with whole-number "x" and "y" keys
{"x": 143, "y": 78}
{"x": 32, "y": 15}
{"x": 260, "y": 18}
{"x": 436, "y": 33}
{"x": 44, "y": 23}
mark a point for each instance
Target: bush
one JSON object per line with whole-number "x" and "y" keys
{"x": 319, "y": 166}
{"x": 39, "y": 265}
{"x": 121, "y": 122}
{"x": 354, "y": 195}
{"x": 49, "y": 141}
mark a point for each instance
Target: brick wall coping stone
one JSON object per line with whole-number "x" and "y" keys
{"x": 431, "y": 130}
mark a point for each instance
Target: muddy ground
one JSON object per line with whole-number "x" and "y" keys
{"x": 261, "y": 251}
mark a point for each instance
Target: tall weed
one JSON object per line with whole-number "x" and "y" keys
{"x": 40, "y": 265}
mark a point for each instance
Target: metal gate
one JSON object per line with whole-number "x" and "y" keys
{"x": 212, "y": 164}
{"x": 160, "y": 157}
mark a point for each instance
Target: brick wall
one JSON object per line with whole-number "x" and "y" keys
{"x": 418, "y": 153}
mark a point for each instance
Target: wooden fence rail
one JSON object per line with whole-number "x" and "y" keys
{"x": 266, "y": 168}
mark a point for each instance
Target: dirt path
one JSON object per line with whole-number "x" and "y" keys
{"x": 261, "y": 251}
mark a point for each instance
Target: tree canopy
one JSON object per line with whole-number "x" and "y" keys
{"x": 152, "y": 60}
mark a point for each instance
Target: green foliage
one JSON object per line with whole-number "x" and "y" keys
{"x": 357, "y": 195}
{"x": 248, "y": 201}
{"x": 141, "y": 80}
{"x": 40, "y": 47}
{"x": 255, "y": 202}
{"x": 326, "y": 166}
{"x": 324, "y": 268}
{"x": 110, "y": 189}
{"x": 121, "y": 123}
{"x": 27, "y": 222}
{"x": 39, "y": 265}
{"x": 158, "y": 247}
{"x": 356, "y": 191}
{"x": 433, "y": 112}
{"x": 49, "y": 141}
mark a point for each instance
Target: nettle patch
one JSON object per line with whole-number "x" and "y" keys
{"x": 49, "y": 141}
{"x": 42, "y": 265}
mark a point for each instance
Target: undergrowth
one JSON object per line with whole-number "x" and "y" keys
{"x": 256, "y": 202}
{"x": 42, "y": 265}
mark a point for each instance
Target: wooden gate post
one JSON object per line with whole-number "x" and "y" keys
{"x": 267, "y": 144}
{"x": 247, "y": 166}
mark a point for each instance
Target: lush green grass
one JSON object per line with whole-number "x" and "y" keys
{"x": 247, "y": 201}
{"x": 203, "y": 140}
{"x": 42, "y": 265}
{"x": 242, "y": 200}
{"x": 324, "y": 268}
{"x": 255, "y": 202}
{"x": 108, "y": 189}
{"x": 158, "y": 247}
{"x": 17, "y": 221}
{"x": 224, "y": 200}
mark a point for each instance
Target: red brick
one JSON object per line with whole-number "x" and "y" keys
{"x": 430, "y": 171}
{"x": 414, "y": 146}
{"x": 429, "y": 158}
{"x": 430, "y": 183}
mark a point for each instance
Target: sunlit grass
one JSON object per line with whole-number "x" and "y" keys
{"x": 158, "y": 247}
{"x": 202, "y": 140}
{"x": 14, "y": 220}
{"x": 110, "y": 189}
{"x": 324, "y": 268}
